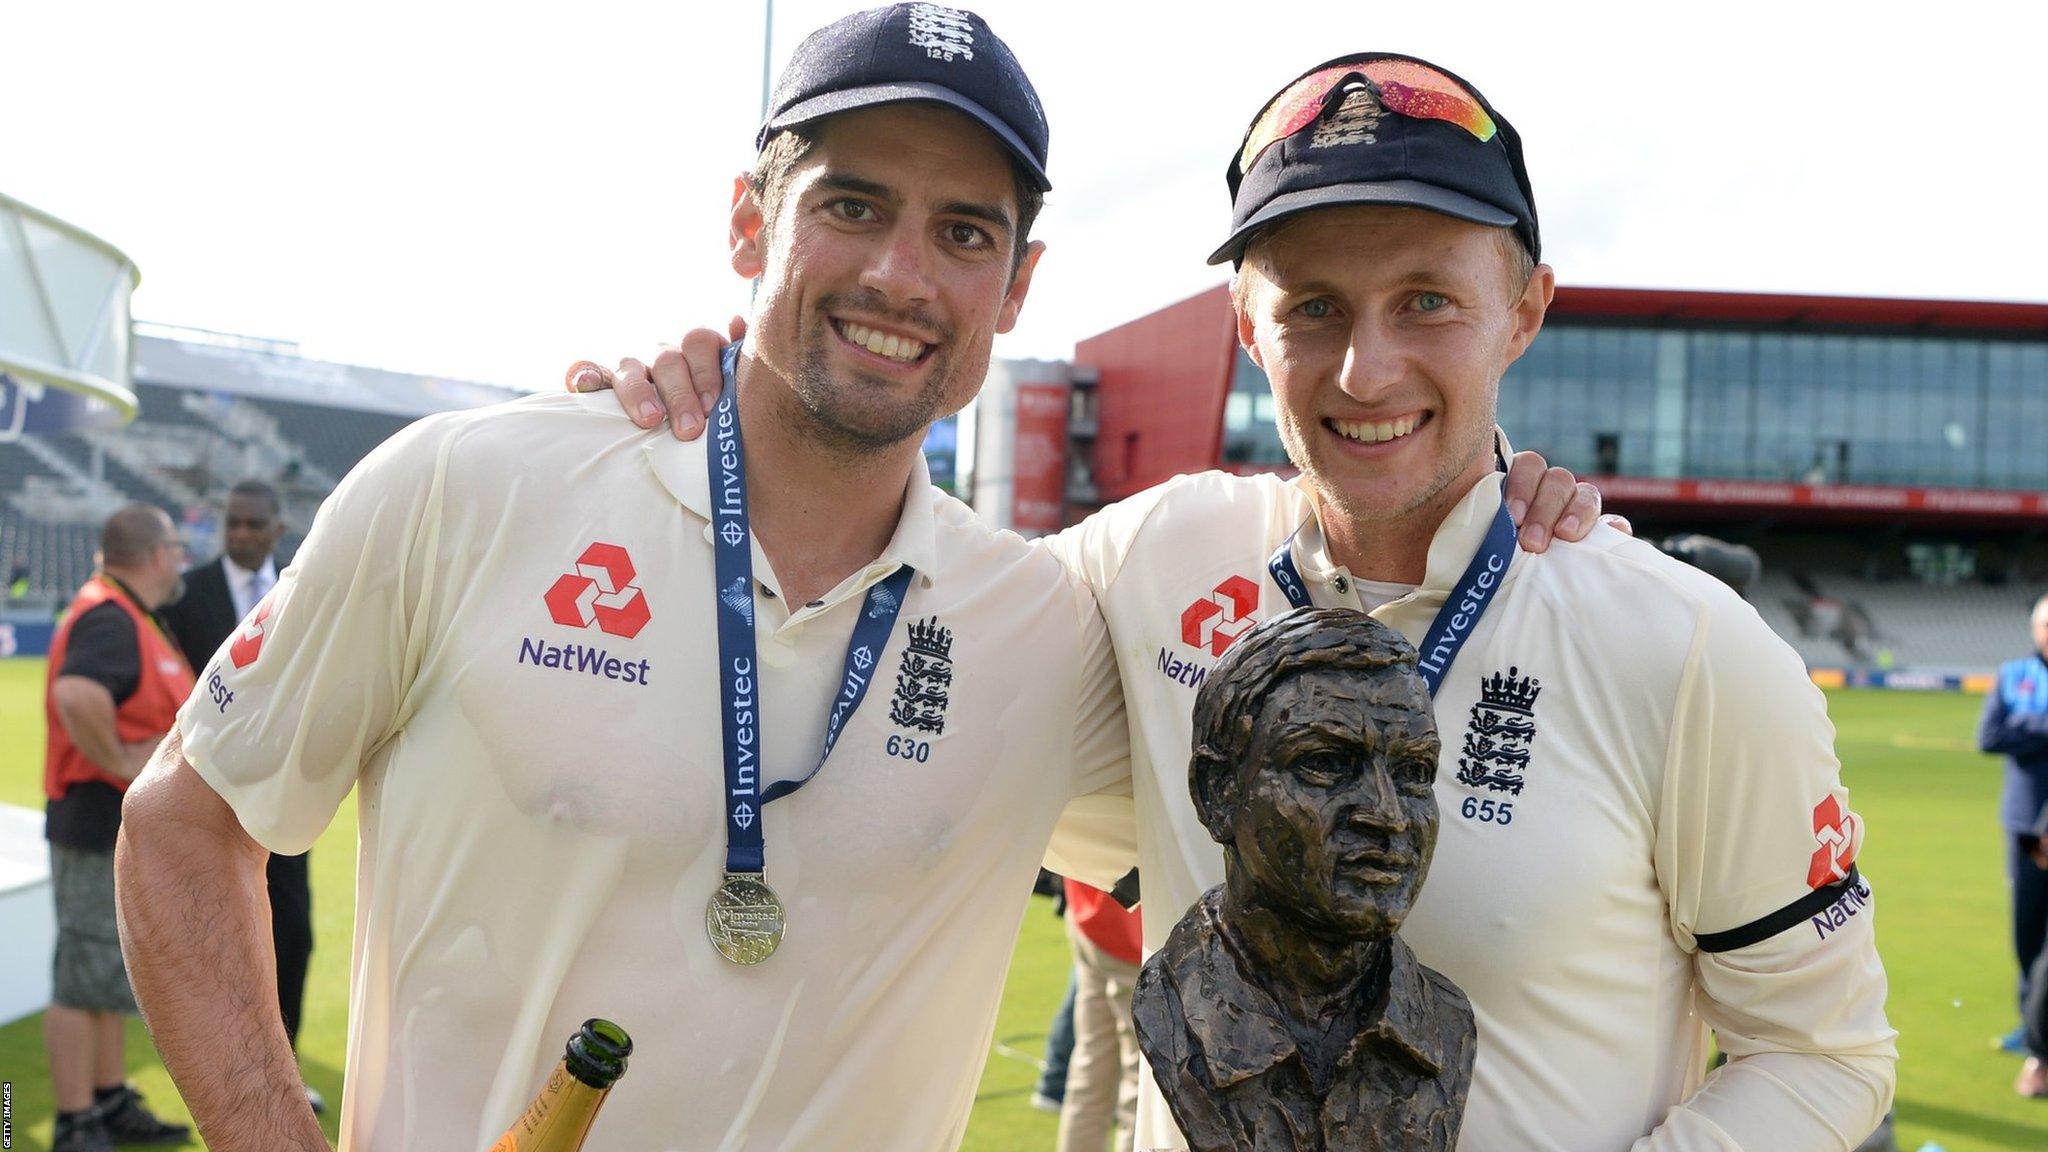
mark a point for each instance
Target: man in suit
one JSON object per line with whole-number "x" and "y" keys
{"x": 221, "y": 591}
{"x": 219, "y": 594}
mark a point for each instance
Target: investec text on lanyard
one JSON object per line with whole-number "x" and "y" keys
{"x": 1460, "y": 614}
{"x": 745, "y": 918}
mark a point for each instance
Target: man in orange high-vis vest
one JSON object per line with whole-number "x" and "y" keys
{"x": 116, "y": 680}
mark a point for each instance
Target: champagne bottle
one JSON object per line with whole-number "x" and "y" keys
{"x": 559, "y": 1118}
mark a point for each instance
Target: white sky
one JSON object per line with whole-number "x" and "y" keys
{"x": 456, "y": 189}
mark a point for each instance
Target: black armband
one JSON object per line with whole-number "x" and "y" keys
{"x": 1764, "y": 927}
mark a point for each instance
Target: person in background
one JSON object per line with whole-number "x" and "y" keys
{"x": 2015, "y": 725}
{"x": 1102, "y": 1076}
{"x": 219, "y": 595}
{"x": 115, "y": 681}
{"x": 1049, "y": 1094}
{"x": 2033, "y": 1078}
{"x": 1051, "y": 1090}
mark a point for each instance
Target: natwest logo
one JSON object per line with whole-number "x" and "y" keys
{"x": 600, "y": 591}
{"x": 1835, "y": 828}
{"x": 1216, "y": 621}
{"x": 249, "y": 641}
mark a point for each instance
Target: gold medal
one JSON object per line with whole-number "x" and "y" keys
{"x": 744, "y": 918}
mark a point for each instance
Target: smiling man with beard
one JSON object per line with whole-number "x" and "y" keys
{"x": 799, "y": 900}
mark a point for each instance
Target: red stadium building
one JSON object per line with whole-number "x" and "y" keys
{"x": 1888, "y": 458}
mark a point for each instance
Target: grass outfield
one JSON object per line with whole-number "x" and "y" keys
{"x": 1933, "y": 856}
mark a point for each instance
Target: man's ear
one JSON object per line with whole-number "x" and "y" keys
{"x": 1020, "y": 283}
{"x": 1531, "y": 308}
{"x": 1215, "y": 792}
{"x": 744, "y": 230}
{"x": 1247, "y": 333}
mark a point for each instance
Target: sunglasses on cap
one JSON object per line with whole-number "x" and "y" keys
{"x": 1404, "y": 86}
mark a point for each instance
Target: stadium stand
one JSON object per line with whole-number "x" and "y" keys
{"x": 1953, "y": 603}
{"x": 212, "y": 409}
{"x": 53, "y": 553}
{"x": 1850, "y": 621}
{"x": 329, "y": 440}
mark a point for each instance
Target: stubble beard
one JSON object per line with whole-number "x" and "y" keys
{"x": 1366, "y": 512}
{"x": 855, "y": 413}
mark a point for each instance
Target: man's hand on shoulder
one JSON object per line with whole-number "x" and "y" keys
{"x": 681, "y": 386}
{"x": 1551, "y": 503}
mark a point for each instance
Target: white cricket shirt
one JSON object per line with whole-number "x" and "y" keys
{"x": 1647, "y": 763}
{"x": 501, "y": 631}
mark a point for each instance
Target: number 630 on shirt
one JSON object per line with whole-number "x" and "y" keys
{"x": 906, "y": 748}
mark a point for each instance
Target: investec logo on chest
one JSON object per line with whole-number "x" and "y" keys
{"x": 730, "y": 506}
{"x": 600, "y": 594}
{"x": 1468, "y": 611}
{"x": 743, "y": 735}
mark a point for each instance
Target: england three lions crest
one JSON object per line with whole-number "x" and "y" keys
{"x": 1499, "y": 733}
{"x": 924, "y": 678}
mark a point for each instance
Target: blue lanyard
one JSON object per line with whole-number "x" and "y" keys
{"x": 1459, "y": 615}
{"x": 739, "y": 681}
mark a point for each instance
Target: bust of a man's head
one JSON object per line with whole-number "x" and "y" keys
{"x": 1315, "y": 755}
{"x": 1284, "y": 1012}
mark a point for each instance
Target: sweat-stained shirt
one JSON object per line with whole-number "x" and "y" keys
{"x": 519, "y": 677}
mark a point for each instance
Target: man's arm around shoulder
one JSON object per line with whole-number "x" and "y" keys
{"x": 195, "y": 930}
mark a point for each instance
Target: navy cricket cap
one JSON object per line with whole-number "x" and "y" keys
{"x": 1378, "y": 128}
{"x": 913, "y": 52}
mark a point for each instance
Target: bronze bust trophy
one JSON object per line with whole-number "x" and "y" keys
{"x": 1284, "y": 1013}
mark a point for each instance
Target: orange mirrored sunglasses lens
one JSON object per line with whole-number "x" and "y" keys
{"x": 1411, "y": 89}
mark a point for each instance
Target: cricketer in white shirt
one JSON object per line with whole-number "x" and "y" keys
{"x": 519, "y": 681}
{"x": 1644, "y": 834}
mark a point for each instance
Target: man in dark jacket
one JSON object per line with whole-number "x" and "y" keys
{"x": 2015, "y": 725}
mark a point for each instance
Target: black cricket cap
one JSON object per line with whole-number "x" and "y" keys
{"x": 1371, "y": 154}
{"x": 913, "y": 52}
